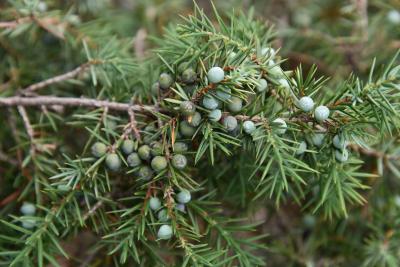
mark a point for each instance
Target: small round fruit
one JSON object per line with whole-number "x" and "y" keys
{"x": 127, "y": 146}
{"x": 339, "y": 142}
{"x": 163, "y": 215}
{"x": 28, "y": 209}
{"x": 187, "y": 108}
{"x": 180, "y": 147}
{"x": 342, "y": 156}
{"x": 156, "y": 148}
{"x": 179, "y": 161}
{"x": 262, "y": 85}
{"x": 165, "y": 232}
{"x": 210, "y": 102}
{"x": 215, "y": 115}
{"x": 284, "y": 83}
{"x": 183, "y": 197}
{"x": 281, "y": 127}
{"x": 189, "y": 76}
{"x": 180, "y": 207}
{"x": 145, "y": 173}
{"x": 133, "y": 160}
{"x": 306, "y": 103}
{"x": 195, "y": 119}
{"x": 249, "y": 127}
{"x": 301, "y": 148}
{"x": 154, "y": 203}
{"x": 186, "y": 129}
{"x": 230, "y": 123}
{"x": 321, "y": 113}
{"x": 29, "y": 223}
{"x": 99, "y": 149}
{"x": 224, "y": 93}
{"x": 155, "y": 88}
{"x": 159, "y": 163}
{"x": 235, "y": 104}
{"x": 165, "y": 81}
{"x": 215, "y": 75}
{"x": 113, "y": 162}
{"x": 144, "y": 152}
{"x": 318, "y": 139}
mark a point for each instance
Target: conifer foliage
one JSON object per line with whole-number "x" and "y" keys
{"x": 157, "y": 158}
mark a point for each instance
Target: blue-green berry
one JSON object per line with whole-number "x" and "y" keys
{"x": 113, "y": 162}
{"x": 144, "y": 152}
{"x": 339, "y": 142}
{"x": 179, "y": 161}
{"x": 230, "y": 123}
{"x": 184, "y": 196}
{"x": 301, "y": 148}
{"x": 275, "y": 70}
{"x": 210, "y": 102}
{"x": 154, "y": 203}
{"x": 165, "y": 81}
{"x": 284, "y": 83}
{"x": 99, "y": 149}
{"x": 249, "y": 127}
{"x": 189, "y": 76}
{"x": 145, "y": 173}
{"x": 318, "y": 139}
{"x": 165, "y": 232}
{"x": 180, "y": 147}
{"x": 183, "y": 66}
{"x": 127, "y": 146}
{"x": 187, "y": 108}
{"x": 321, "y": 113}
{"x": 155, "y": 88}
{"x": 224, "y": 93}
{"x": 163, "y": 215}
{"x": 156, "y": 149}
{"x": 186, "y": 129}
{"x": 281, "y": 126}
{"x": 29, "y": 223}
{"x": 215, "y": 115}
{"x": 28, "y": 209}
{"x": 235, "y": 104}
{"x": 262, "y": 85}
{"x": 342, "y": 156}
{"x": 306, "y": 103}
{"x": 268, "y": 51}
{"x": 133, "y": 160}
{"x": 195, "y": 119}
{"x": 180, "y": 207}
{"x": 159, "y": 163}
{"x": 215, "y": 75}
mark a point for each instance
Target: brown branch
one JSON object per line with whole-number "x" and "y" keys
{"x": 72, "y": 102}
{"x": 133, "y": 124}
{"x": 28, "y": 127}
{"x": 14, "y": 23}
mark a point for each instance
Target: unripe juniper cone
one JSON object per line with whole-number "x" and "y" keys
{"x": 163, "y": 215}
{"x": 99, "y": 149}
{"x": 187, "y": 108}
{"x": 321, "y": 113}
{"x": 189, "y": 76}
{"x": 230, "y": 123}
{"x": 235, "y": 104}
{"x": 28, "y": 209}
{"x": 133, "y": 160}
{"x": 210, "y": 102}
{"x": 127, "y": 146}
{"x": 180, "y": 147}
{"x": 195, "y": 119}
{"x": 215, "y": 75}
{"x": 302, "y": 147}
{"x": 159, "y": 163}
{"x": 165, "y": 81}
{"x": 215, "y": 115}
{"x": 249, "y": 127}
{"x": 179, "y": 161}
{"x": 262, "y": 85}
{"x": 318, "y": 139}
{"x": 154, "y": 203}
{"x": 145, "y": 173}
{"x": 306, "y": 103}
{"x": 144, "y": 152}
{"x": 183, "y": 197}
{"x": 224, "y": 93}
{"x": 156, "y": 148}
{"x": 342, "y": 156}
{"x": 339, "y": 142}
{"x": 113, "y": 162}
{"x": 165, "y": 232}
{"x": 186, "y": 129}
{"x": 281, "y": 126}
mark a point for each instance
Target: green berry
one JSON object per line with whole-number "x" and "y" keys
{"x": 99, "y": 149}
{"x": 301, "y": 148}
{"x": 28, "y": 209}
{"x": 154, "y": 203}
{"x": 321, "y": 113}
{"x": 155, "y": 88}
{"x": 339, "y": 142}
{"x": 179, "y": 161}
{"x": 180, "y": 147}
{"x": 215, "y": 75}
{"x": 306, "y": 103}
{"x": 281, "y": 126}
{"x": 183, "y": 66}
{"x": 163, "y": 215}
{"x": 342, "y": 156}
{"x": 186, "y": 129}
{"x": 133, "y": 160}
{"x": 195, "y": 119}
{"x": 183, "y": 197}
{"x": 262, "y": 85}
{"x": 144, "y": 152}
{"x": 180, "y": 207}
{"x": 268, "y": 51}
{"x": 210, "y": 102}
{"x": 249, "y": 127}
{"x": 156, "y": 149}
{"x": 145, "y": 173}
{"x": 230, "y": 123}
{"x": 187, "y": 108}
{"x": 224, "y": 93}
{"x": 165, "y": 81}
{"x": 159, "y": 163}
{"x": 127, "y": 146}
{"x": 113, "y": 162}
{"x": 189, "y": 76}
{"x": 215, "y": 115}
{"x": 318, "y": 139}
{"x": 275, "y": 70}
{"x": 28, "y": 223}
{"x": 165, "y": 232}
{"x": 235, "y": 104}
{"x": 284, "y": 83}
